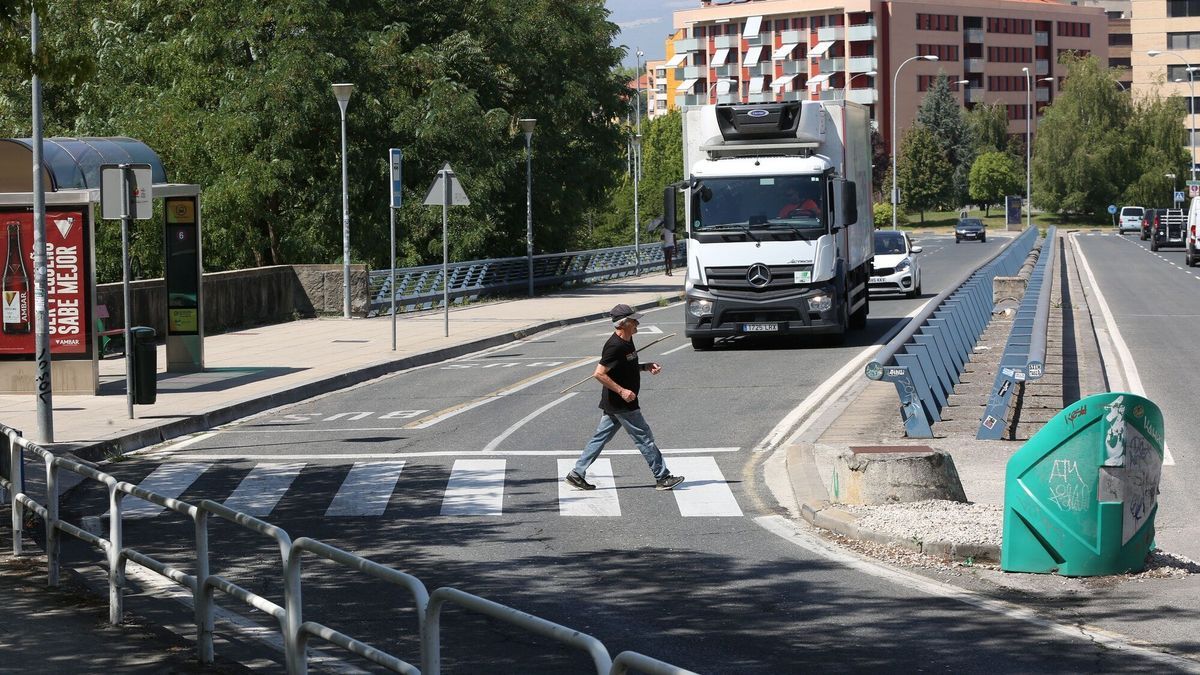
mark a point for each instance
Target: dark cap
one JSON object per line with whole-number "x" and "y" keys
{"x": 620, "y": 313}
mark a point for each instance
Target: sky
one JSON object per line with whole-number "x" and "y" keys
{"x": 644, "y": 24}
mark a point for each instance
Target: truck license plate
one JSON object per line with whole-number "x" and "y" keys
{"x": 760, "y": 327}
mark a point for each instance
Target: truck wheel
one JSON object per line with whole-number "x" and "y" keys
{"x": 1154, "y": 244}
{"x": 701, "y": 344}
{"x": 1190, "y": 258}
{"x": 858, "y": 319}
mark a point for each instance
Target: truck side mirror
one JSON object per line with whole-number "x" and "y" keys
{"x": 669, "y": 207}
{"x": 849, "y": 203}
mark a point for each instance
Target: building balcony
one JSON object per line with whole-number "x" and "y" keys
{"x": 1042, "y": 67}
{"x": 974, "y": 65}
{"x": 973, "y": 35}
{"x": 695, "y": 72}
{"x": 863, "y": 95}
{"x": 729, "y": 70}
{"x": 690, "y": 45}
{"x": 793, "y": 37}
{"x": 833, "y": 94}
{"x": 800, "y": 95}
{"x": 1042, "y": 95}
{"x": 861, "y": 64}
{"x": 767, "y": 96}
{"x": 731, "y": 97}
{"x": 727, "y": 42}
{"x": 974, "y": 94}
{"x": 831, "y": 34}
{"x": 862, "y": 33}
{"x": 1041, "y": 39}
{"x": 835, "y": 65}
{"x": 762, "y": 68}
{"x": 795, "y": 67}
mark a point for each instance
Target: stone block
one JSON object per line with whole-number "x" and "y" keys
{"x": 893, "y": 474}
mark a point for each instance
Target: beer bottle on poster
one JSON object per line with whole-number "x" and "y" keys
{"x": 15, "y": 285}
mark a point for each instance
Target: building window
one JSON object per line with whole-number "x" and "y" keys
{"x": 1011, "y": 26}
{"x": 948, "y": 22}
{"x": 1183, "y": 40}
{"x": 1076, "y": 29}
{"x": 1080, "y": 53}
{"x": 1117, "y": 62}
{"x": 1178, "y": 8}
{"x": 1017, "y": 111}
{"x": 1007, "y": 83}
{"x": 1010, "y": 54}
{"x": 943, "y": 52}
{"x": 1179, "y": 72}
{"x": 1120, "y": 39}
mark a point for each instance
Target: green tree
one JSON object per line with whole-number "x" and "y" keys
{"x": 924, "y": 172}
{"x": 1082, "y": 156}
{"x": 942, "y": 115}
{"x": 994, "y": 175}
{"x": 1156, "y": 130}
{"x": 989, "y": 127}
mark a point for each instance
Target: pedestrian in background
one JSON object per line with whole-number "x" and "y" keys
{"x": 668, "y": 247}
{"x": 620, "y": 374}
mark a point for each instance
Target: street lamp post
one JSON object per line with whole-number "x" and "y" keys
{"x": 1173, "y": 184}
{"x": 1191, "y": 71}
{"x": 342, "y": 92}
{"x": 637, "y": 163}
{"x": 895, "y": 178}
{"x": 1029, "y": 115}
{"x": 869, "y": 73}
{"x": 527, "y": 125}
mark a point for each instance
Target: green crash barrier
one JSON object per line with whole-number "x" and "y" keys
{"x": 1080, "y": 496}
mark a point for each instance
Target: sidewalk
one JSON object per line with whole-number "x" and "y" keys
{"x": 260, "y": 368}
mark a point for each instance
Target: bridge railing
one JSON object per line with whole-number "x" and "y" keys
{"x": 421, "y": 288}
{"x": 289, "y": 612}
{"x": 1024, "y": 355}
{"x": 927, "y": 357}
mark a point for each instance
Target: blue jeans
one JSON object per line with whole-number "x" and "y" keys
{"x": 638, "y": 429}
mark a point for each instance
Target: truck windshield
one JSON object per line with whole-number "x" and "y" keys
{"x": 760, "y": 202}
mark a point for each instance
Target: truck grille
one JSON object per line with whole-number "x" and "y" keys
{"x": 736, "y": 279}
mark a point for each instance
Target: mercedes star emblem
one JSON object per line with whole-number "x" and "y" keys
{"x": 759, "y": 275}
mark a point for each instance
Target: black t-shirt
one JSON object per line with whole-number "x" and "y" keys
{"x": 621, "y": 359}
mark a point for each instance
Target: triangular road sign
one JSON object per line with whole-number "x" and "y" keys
{"x": 458, "y": 197}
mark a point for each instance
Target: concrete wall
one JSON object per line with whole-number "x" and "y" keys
{"x": 241, "y": 298}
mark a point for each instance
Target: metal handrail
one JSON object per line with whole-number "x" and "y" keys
{"x": 1037, "y": 342}
{"x": 289, "y": 615}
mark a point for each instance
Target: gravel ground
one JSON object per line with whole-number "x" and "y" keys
{"x": 934, "y": 520}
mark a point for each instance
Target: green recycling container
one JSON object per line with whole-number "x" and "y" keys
{"x": 1081, "y": 495}
{"x": 144, "y": 365}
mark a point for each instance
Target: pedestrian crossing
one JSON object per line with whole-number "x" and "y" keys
{"x": 473, "y": 487}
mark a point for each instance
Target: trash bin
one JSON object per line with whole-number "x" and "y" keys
{"x": 144, "y": 365}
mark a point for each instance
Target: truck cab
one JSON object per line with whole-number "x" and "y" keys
{"x": 1193, "y": 227}
{"x": 777, "y": 208}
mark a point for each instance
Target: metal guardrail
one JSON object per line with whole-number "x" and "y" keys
{"x": 927, "y": 357}
{"x": 420, "y": 288}
{"x": 1024, "y": 355}
{"x": 289, "y": 615}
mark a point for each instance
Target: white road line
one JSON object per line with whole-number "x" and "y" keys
{"x": 307, "y": 430}
{"x": 425, "y": 424}
{"x": 168, "y": 480}
{"x": 351, "y": 456}
{"x": 704, "y": 492}
{"x": 523, "y": 421}
{"x": 262, "y": 488}
{"x": 367, "y": 489}
{"x": 682, "y": 346}
{"x": 172, "y": 446}
{"x": 820, "y": 395}
{"x": 1133, "y": 382}
{"x": 599, "y": 502}
{"x": 475, "y": 488}
{"x": 791, "y": 532}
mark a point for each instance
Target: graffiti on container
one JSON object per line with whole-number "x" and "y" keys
{"x": 1114, "y": 438}
{"x": 1076, "y": 414}
{"x": 1143, "y": 469}
{"x": 1067, "y": 487}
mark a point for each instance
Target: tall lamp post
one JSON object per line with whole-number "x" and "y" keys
{"x": 1173, "y": 184}
{"x": 527, "y": 128}
{"x": 895, "y": 178}
{"x": 637, "y": 163}
{"x": 869, "y": 73}
{"x": 1029, "y": 115}
{"x": 342, "y": 92}
{"x": 1191, "y": 71}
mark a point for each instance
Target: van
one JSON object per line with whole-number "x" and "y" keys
{"x": 1193, "y": 227}
{"x": 1131, "y": 219}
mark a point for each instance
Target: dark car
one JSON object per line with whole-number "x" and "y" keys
{"x": 970, "y": 228}
{"x": 1150, "y": 221}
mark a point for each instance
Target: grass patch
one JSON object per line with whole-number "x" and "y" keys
{"x": 943, "y": 221}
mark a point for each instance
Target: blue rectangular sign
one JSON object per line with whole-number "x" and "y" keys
{"x": 1012, "y": 210}
{"x": 395, "y": 159}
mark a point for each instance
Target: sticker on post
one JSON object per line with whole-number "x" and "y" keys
{"x": 990, "y": 422}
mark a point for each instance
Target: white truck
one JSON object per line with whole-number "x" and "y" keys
{"x": 1193, "y": 232}
{"x": 778, "y": 218}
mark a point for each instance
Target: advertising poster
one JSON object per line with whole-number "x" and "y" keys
{"x": 1012, "y": 211}
{"x": 66, "y": 283}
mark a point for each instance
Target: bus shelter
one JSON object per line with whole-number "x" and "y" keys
{"x": 71, "y": 176}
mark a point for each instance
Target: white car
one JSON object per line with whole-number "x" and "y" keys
{"x": 1130, "y": 219}
{"x": 897, "y": 269}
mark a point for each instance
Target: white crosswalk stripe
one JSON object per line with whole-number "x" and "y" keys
{"x": 475, "y": 488}
{"x": 261, "y": 490}
{"x": 168, "y": 480}
{"x": 367, "y": 489}
{"x": 599, "y": 502}
{"x": 704, "y": 491}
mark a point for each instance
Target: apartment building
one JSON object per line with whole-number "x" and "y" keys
{"x": 780, "y": 50}
{"x": 1171, "y": 27}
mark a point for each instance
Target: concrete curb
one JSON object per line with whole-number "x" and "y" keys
{"x": 826, "y": 516}
{"x": 204, "y": 420}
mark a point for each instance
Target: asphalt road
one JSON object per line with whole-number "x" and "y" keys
{"x": 452, "y": 472}
{"x": 1154, "y": 299}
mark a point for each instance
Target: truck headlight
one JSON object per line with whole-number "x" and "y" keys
{"x": 699, "y": 308}
{"x": 820, "y": 303}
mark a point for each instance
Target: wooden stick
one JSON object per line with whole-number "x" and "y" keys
{"x": 665, "y": 337}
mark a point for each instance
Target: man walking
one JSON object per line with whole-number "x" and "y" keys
{"x": 620, "y": 374}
